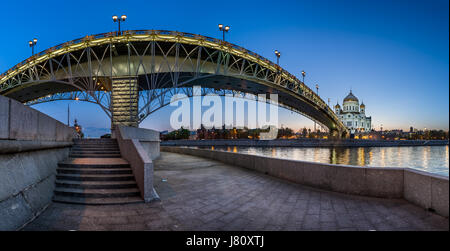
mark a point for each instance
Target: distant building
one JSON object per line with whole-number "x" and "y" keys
{"x": 193, "y": 135}
{"x": 353, "y": 115}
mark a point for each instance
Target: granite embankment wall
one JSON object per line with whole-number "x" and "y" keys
{"x": 423, "y": 189}
{"x": 31, "y": 145}
{"x": 304, "y": 143}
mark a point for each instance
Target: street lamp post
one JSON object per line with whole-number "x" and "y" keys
{"x": 32, "y": 43}
{"x": 224, "y": 29}
{"x": 117, "y": 19}
{"x": 278, "y": 54}
{"x": 303, "y": 74}
{"x": 317, "y": 91}
{"x": 68, "y": 115}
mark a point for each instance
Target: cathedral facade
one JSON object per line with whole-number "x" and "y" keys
{"x": 353, "y": 115}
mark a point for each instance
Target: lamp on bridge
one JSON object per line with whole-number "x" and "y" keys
{"x": 303, "y": 74}
{"x": 317, "y": 91}
{"x": 32, "y": 43}
{"x": 278, "y": 54}
{"x": 121, "y": 19}
{"x": 224, "y": 29}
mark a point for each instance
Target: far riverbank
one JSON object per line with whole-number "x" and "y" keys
{"x": 304, "y": 143}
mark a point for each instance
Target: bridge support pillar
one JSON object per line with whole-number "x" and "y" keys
{"x": 334, "y": 134}
{"x": 124, "y": 102}
{"x": 337, "y": 134}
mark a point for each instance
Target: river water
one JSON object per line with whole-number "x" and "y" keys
{"x": 433, "y": 159}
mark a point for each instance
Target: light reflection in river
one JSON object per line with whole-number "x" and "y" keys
{"x": 432, "y": 159}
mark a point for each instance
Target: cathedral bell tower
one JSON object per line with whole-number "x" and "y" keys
{"x": 337, "y": 108}
{"x": 362, "y": 108}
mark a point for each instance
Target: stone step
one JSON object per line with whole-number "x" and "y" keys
{"x": 96, "y": 184}
{"x": 94, "y": 140}
{"x": 95, "y": 146}
{"x": 97, "y": 193}
{"x": 99, "y": 148}
{"x": 94, "y": 155}
{"x": 95, "y": 174}
{"x": 94, "y": 152}
{"x": 94, "y": 149}
{"x": 98, "y": 201}
{"x": 95, "y": 177}
{"x": 95, "y": 143}
{"x": 94, "y": 163}
{"x": 95, "y": 166}
{"x": 94, "y": 170}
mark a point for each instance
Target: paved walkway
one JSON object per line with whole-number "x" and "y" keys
{"x": 201, "y": 194}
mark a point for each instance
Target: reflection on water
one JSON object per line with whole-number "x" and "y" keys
{"x": 432, "y": 159}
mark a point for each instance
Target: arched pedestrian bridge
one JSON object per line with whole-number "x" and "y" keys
{"x": 136, "y": 73}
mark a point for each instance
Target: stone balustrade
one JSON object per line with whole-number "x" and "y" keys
{"x": 139, "y": 147}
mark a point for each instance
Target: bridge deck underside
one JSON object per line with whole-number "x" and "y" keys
{"x": 219, "y": 82}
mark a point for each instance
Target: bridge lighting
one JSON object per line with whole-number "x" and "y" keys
{"x": 224, "y": 29}
{"x": 121, "y": 19}
{"x": 317, "y": 89}
{"x": 278, "y": 54}
{"x": 32, "y": 43}
{"x": 303, "y": 74}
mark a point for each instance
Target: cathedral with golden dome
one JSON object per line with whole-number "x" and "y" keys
{"x": 353, "y": 115}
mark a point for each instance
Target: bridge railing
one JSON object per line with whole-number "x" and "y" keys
{"x": 305, "y": 90}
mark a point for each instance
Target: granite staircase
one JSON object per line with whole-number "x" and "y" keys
{"x": 95, "y": 174}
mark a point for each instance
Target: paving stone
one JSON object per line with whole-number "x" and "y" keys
{"x": 209, "y": 195}
{"x": 211, "y": 216}
{"x": 327, "y": 216}
{"x": 328, "y": 226}
{"x": 311, "y": 222}
{"x": 108, "y": 220}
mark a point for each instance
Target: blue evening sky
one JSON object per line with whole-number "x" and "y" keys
{"x": 394, "y": 54}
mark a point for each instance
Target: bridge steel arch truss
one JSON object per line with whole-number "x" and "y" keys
{"x": 164, "y": 63}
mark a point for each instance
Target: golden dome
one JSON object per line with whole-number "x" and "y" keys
{"x": 351, "y": 97}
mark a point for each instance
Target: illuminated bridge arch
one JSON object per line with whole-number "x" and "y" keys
{"x": 146, "y": 68}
